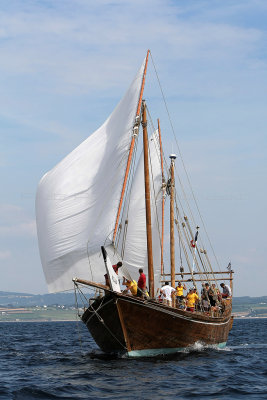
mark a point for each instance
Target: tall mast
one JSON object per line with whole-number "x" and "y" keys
{"x": 163, "y": 196}
{"x": 137, "y": 119}
{"x": 172, "y": 250}
{"x": 147, "y": 201}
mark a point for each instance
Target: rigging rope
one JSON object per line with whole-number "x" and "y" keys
{"x": 180, "y": 154}
{"x": 95, "y": 313}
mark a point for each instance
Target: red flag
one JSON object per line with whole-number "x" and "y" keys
{"x": 194, "y": 242}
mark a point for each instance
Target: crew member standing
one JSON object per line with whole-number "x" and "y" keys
{"x": 192, "y": 298}
{"x": 142, "y": 290}
{"x": 180, "y": 292}
{"x": 167, "y": 291}
{"x": 142, "y": 280}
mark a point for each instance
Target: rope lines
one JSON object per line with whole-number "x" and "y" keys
{"x": 181, "y": 158}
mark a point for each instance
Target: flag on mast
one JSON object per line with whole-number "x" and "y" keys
{"x": 194, "y": 241}
{"x": 193, "y": 244}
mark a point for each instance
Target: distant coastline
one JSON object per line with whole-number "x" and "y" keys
{"x": 60, "y": 307}
{"x": 38, "y": 321}
{"x": 77, "y": 320}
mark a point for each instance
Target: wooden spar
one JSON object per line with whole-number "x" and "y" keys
{"x": 163, "y": 189}
{"x": 231, "y": 281}
{"x": 142, "y": 87}
{"x": 202, "y": 273}
{"x": 130, "y": 151}
{"x": 148, "y": 209}
{"x": 90, "y": 283}
{"x": 195, "y": 280}
{"x": 172, "y": 244}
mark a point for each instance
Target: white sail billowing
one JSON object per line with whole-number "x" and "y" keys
{"x": 133, "y": 243}
{"x": 77, "y": 201}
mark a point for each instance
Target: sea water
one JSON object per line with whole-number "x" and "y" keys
{"x": 59, "y": 360}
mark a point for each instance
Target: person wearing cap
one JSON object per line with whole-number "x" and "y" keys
{"x": 192, "y": 298}
{"x": 116, "y": 270}
{"x": 167, "y": 292}
{"x": 180, "y": 292}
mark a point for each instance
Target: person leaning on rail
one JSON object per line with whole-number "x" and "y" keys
{"x": 226, "y": 291}
{"x": 116, "y": 270}
{"x": 131, "y": 286}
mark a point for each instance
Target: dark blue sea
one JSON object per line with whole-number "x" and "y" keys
{"x": 54, "y": 360}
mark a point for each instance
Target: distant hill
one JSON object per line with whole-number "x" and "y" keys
{"x": 249, "y": 300}
{"x": 252, "y": 306}
{"x": 13, "y": 299}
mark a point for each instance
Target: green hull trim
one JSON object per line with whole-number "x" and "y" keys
{"x": 165, "y": 351}
{"x": 221, "y": 345}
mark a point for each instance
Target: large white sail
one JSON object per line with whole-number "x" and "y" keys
{"x": 133, "y": 244}
{"x": 77, "y": 201}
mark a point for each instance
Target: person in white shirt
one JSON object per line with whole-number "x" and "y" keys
{"x": 226, "y": 290}
{"x": 167, "y": 292}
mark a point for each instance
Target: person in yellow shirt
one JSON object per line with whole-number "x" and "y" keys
{"x": 192, "y": 298}
{"x": 130, "y": 286}
{"x": 180, "y": 293}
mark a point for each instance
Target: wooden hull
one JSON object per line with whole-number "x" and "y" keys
{"x": 124, "y": 324}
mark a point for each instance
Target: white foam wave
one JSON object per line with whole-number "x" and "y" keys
{"x": 200, "y": 347}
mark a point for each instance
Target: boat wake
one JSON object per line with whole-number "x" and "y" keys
{"x": 197, "y": 347}
{"x": 248, "y": 346}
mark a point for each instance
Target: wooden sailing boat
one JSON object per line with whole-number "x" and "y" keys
{"x": 97, "y": 197}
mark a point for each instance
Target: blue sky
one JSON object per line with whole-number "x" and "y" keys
{"x": 64, "y": 65}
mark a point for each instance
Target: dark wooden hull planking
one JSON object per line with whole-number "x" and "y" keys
{"x": 125, "y": 324}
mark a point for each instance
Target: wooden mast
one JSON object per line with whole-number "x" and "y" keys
{"x": 131, "y": 150}
{"x": 163, "y": 196}
{"x": 147, "y": 201}
{"x": 172, "y": 244}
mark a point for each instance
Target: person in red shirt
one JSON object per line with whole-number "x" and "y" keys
{"x": 117, "y": 266}
{"x": 141, "y": 283}
{"x": 142, "y": 280}
{"x": 116, "y": 269}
